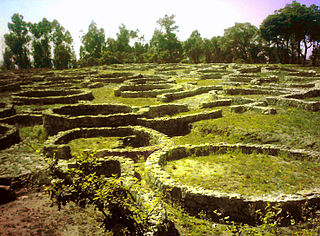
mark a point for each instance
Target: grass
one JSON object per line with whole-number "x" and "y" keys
{"x": 24, "y": 157}
{"x": 257, "y": 174}
{"x": 292, "y": 128}
{"x": 106, "y": 95}
{"x": 316, "y": 99}
{"x": 77, "y": 145}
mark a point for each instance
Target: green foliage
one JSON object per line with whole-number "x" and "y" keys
{"x": 193, "y": 47}
{"x": 8, "y": 62}
{"x": 62, "y": 56}
{"x": 41, "y": 49}
{"x": 93, "y": 45}
{"x": 240, "y": 41}
{"x": 17, "y": 40}
{"x": 110, "y": 196}
{"x": 288, "y": 28}
{"x": 164, "y": 45}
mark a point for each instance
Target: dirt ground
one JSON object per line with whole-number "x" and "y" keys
{"x": 31, "y": 214}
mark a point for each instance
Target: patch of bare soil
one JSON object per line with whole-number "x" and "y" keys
{"x": 31, "y": 214}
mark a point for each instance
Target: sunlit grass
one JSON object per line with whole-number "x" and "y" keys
{"x": 292, "y": 128}
{"x": 106, "y": 95}
{"x": 97, "y": 143}
{"x": 247, "y": 174}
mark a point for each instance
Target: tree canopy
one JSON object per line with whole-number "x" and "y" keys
{"x": 289, "y": 35}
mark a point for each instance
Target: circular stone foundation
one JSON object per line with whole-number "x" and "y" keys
{"x": 240, "y": 208}
{"x": 9, "y": 136}
{"x": 142, "y": 141}
{"x": 46, "y": 97}
{"x": 146, "y": 90}
{"x": 87, "y": 115}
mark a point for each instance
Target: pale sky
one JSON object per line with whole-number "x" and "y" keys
{"x": 209, "y": 17}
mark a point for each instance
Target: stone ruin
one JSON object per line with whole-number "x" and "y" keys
{"x": 238, "y": 207}
{"x": 147, "y": 130}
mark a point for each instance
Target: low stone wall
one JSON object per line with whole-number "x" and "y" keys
{"x": 238, "y": 207}
{"x": 163, "y": 110}
{"x": 259, "y": 107}
{"x": 57, "y": 146}
{"x": 180, "y": 125}
{"x": 46, "y": 97}
{"x": 242, "y": 77}
{"x": 255, "y": 69}
{"x": 250, "y": 91}
{"x": 212, "y": 76}
{"x": 261, "y": 80}
{"x": 296, "y": 100}
{"x": 151, "y": 80}
{"x": 305, "y": 94}
{"x": 7, "y": 110}
{"x": 216, "y": 103}
{"x": 87, "y": 115}
{"x": 115, "y": 74}
{"x": 310, "y": 73}
{"x": 14, "y": 86}
{"x": 106, "y": 79}
{"x": 146, "y": 90}
{"x": 169, "y": 97}
{"x": 9, "y": 136}
{"x": 300, "y": 78}
{"x": 23, "y": 119}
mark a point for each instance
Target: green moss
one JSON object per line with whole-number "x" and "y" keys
{"x": 256, "y": 174}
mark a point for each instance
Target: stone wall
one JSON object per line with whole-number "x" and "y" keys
{"x": 163, "y": 110}
{"x": 143, "y": 140}
{"x": 146, "y": 90}
{"x": 296, "y": 100}
{"x": 249, "y": 91}
{"x": 239, "y": 208}
{"x": 85, "y": 115}
{"x": 216, "y": 103}
{"x": 46, "y": 97}
{"x": 259, "y": 107}
{"x": 169, "y": 97}
{"x": 9, "y": 136}
{"x": 7, "y": 110}
{"x": 180, "y": 125}
{"x": 23, "y": 119}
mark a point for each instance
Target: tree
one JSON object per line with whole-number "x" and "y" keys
{"x": 119, "y": 50}
{"x": 17, "y": 40}
{"x": 241, "y": 40}
{"x": 164, "y": 45}
{"x": 41, "y": 48}
{"x": 193, "y": 47}
{"x": 213, "y": 50}
{"x": 63, "y": 51}
{"x": 93, "y": 43}
{"x": 292, "y": 30}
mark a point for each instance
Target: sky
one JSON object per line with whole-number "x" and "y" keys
{"x": 209, "y": 17}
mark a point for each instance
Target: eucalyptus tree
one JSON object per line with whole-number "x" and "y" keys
{"x": 41, "y": 44}
{"x": 63, "y": 50}
{"x": 93, "y": 44}
{"x": 17, "y": 50}
{"x": 164, "y": 44}
{"x": 193, "y": 47}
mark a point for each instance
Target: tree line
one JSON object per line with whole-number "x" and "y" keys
{"x": 288, "y": 36}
